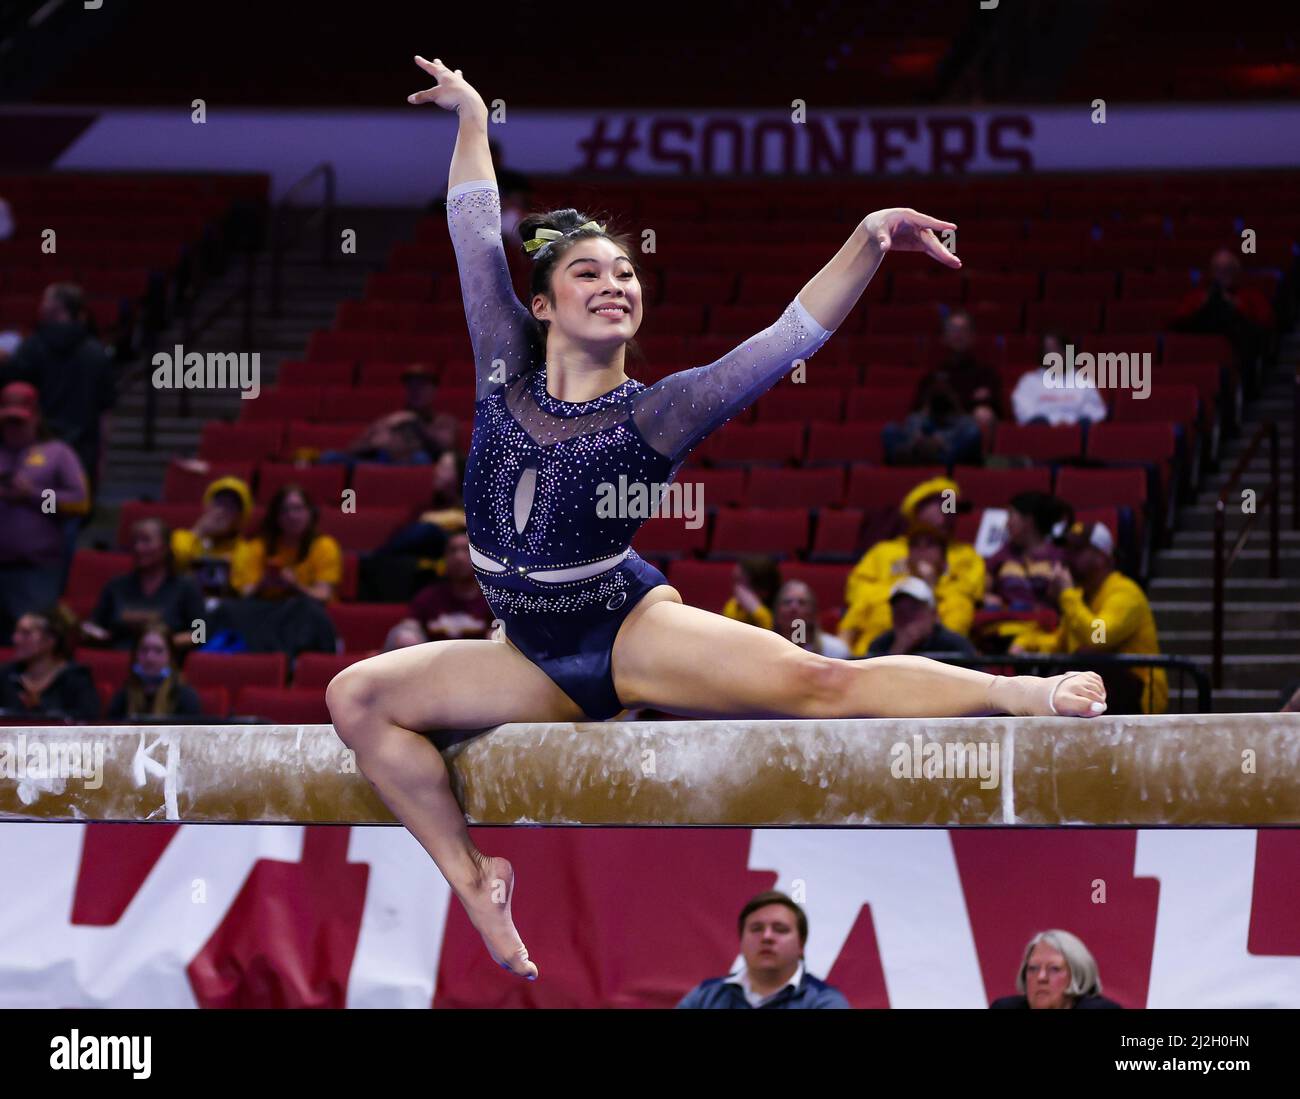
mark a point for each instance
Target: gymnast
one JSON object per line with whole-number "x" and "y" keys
{"x": 589, "y": 628}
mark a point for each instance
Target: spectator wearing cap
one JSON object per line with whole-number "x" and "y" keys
{"x": 797, "y": 621}
{"x": 71, "y": 370}
{"x": 952, "y": 568}
{"x": 214, "y": 551}
{"x": 1039, "y": 399}
{"x": 1058, "y": 973}
{"x": 927, "y": 560}
{"x": 1103, "y": 611}
{"x": 42, "y": 485}
{"x": 773, "y": 931}
{"x": 43, "y": 680}
{"x": 916, "y": 629}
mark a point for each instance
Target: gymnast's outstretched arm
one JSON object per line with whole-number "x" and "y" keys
{"x": 502, "y": 333}
{"x": 677, "y": 412}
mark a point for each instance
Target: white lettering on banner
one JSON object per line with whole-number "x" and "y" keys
{"x": 1200, "y": 959}
{"x": 910, "y": 879}
{"x": 402, "y": 926}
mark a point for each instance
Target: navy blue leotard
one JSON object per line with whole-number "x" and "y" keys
{"x": 559, "y": 575}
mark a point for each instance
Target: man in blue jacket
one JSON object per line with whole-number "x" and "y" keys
{"x": 773, "y": 930}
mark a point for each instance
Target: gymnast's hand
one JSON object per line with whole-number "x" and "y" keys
{"x": 452, "y": 92}
{"x": 904, "y": 230}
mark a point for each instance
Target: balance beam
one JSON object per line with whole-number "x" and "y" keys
{"x": 1189, "y": 769}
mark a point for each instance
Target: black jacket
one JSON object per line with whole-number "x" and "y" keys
{"x": 1084, "y": 1002}
{"x": 185, "y": 703}
{"x": 72, "y": 694}
{"x": 76, "y": 380}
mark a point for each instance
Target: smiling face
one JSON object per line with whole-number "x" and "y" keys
{"x": 597, "y": 295}
{"x": 770, "y": 941}
{"x": 1047, "y": 976}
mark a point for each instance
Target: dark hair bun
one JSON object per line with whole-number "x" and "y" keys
{"x": 562, "y": 221}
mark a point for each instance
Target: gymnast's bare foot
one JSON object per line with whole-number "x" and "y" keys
{"x": 1074, "y": 694}
{"x": 1077, "y": 694}
{"x": 487, "y": 904}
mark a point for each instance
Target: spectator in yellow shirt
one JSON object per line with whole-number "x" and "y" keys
{"x": 290, "y": 556}
{"x": 214, "y": 551}
{"x": 1102, "y": 610}
{"x": 755, "y": 581}
{"x": 953, "y": 569}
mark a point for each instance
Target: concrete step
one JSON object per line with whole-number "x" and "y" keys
{"x": 1257, "y": 670}
{"x": 1235, "y": 700}
{"x": 1199, "y": 562}
{"x": 1261, "y": 616}
{"x": 1197, "y": 642}
{"x": 1191, "y": 539}
{"x": 1240, "y": 587}
{"x": 1200, "y": 517}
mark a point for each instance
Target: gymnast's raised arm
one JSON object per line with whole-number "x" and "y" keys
{"x": 502, "y": 333}
{"x": 677, "y": 412}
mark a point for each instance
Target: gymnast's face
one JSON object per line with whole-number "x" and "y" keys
{"x": 770, "y": 942}
{"x": 597, "y": 295}
{"x": 1047, "y": 976}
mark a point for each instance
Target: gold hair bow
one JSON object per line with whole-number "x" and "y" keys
{"x": 543, "y": 237}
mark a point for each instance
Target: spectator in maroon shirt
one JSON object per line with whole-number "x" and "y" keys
{"x": 1019, "y": 575}
{"x": 42, "y": 485}
{"x": 454, "y": 605}
{"x": 974, "y": 386}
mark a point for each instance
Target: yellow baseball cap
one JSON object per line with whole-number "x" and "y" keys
{"x": 936, "y": 486}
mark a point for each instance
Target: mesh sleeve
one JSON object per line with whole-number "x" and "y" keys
{"x": 676, "y": 413}
{"x": 502, "y": 332}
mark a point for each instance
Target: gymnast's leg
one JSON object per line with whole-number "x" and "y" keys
{"x": 692, "y": 662}
{"x": 380, "y": 705}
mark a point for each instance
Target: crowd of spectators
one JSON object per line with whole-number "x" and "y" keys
{"x": 1058, "y": 971}
{"x": 1049, "y": 587}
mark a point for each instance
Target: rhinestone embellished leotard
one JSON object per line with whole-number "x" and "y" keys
{"x": 557, "y": 573}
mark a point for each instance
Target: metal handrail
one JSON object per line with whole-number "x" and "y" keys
{"x": 1221, "y": 566}
{"x": 1295, "y": 452}
{"x": 280, "y": 242}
